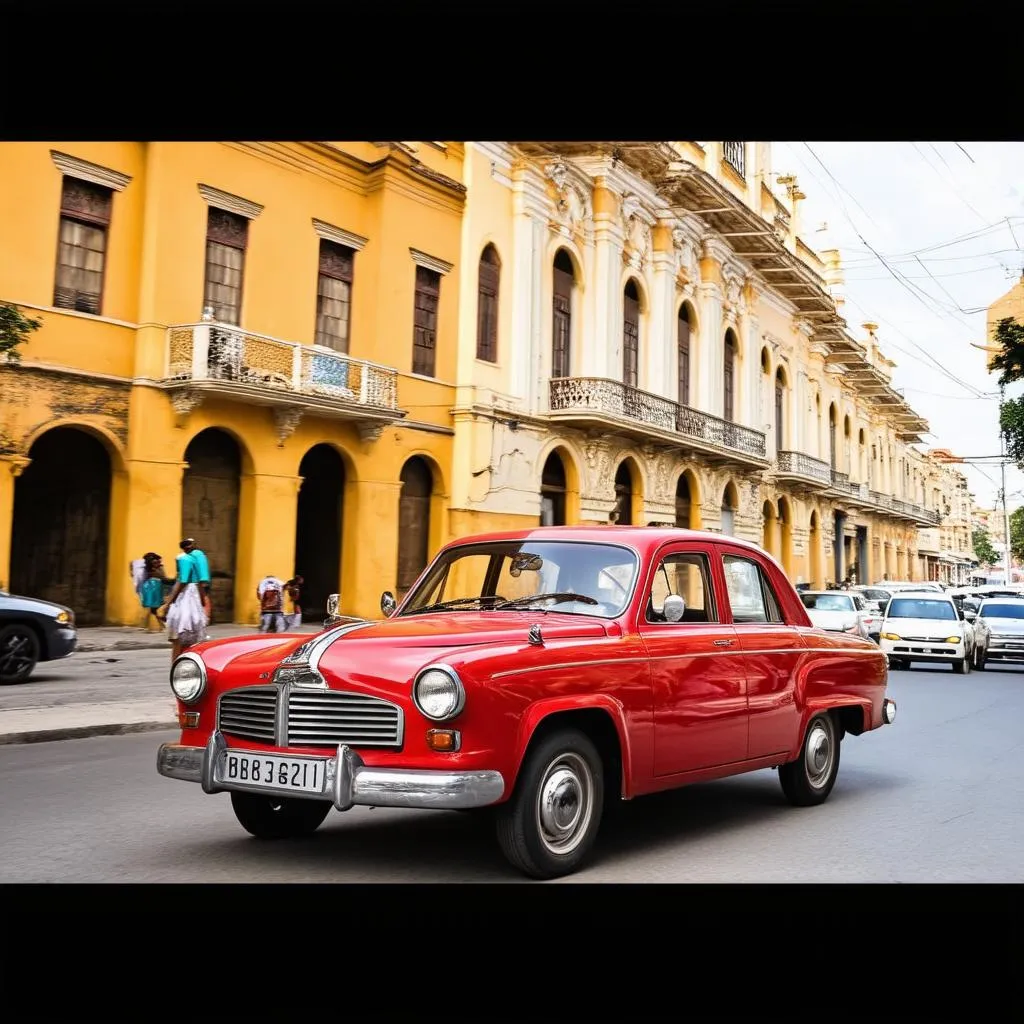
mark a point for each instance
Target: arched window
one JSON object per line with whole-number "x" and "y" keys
{"x": 487, "y": 305}
{"x": 683, "y": 355}
{"x": 780, "y": 410}
{"x": 623, "y": 495}
{"x": 552, "y": 491}
{"x": 832, "y": 435}
{"x": 729, "y": 376}
{"x": 561, "y": 338}
{"x": 631, "y": 335}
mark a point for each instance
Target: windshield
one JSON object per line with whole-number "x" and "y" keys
{"x": 827, "y": 602}
{"x": 565, "y": 576}
{"x": 994, "y": 610}
{"x": 920, "y": 608}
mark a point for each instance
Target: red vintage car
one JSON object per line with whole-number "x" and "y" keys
{"x": 536, "y": 675}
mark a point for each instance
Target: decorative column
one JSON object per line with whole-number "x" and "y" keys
{"x": 709, "y": 393}
{"x": 605, "y": 299}
{"x": 660, "y": 341}
{"x": 11, "y": 467}
{"x": 753, "y": 411}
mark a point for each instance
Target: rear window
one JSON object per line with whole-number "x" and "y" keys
{"x": 920, "y": 608}
{"x": 877, "y": 595}
{"x": 995, "y": 610}
{"x": 827, "y": 602}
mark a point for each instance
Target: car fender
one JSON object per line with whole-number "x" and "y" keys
{"x": 815, "y": 705}
{"x": 540, "y": 710}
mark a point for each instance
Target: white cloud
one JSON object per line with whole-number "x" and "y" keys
{"x": 903, "y": 199}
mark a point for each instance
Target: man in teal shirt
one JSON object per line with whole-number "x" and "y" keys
{"x": 202, "y": 570}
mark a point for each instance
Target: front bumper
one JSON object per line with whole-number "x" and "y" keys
{"x": 61, "y": 642}
{"x": 348, "y": 780}
{"x": 1006, "y": 650}
{"x": 923, "y": 650}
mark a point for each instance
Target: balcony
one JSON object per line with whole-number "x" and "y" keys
{"x": 735, "y": 155}
{"x": 586, "y": 401}
{"x": 799, "y": 468}
{"x": 221, "y": 361}
{"x": 859, "y": 494}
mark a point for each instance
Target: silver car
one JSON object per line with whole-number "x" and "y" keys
{"x": 999, "y": 630}
{"x": 840, "y": 611}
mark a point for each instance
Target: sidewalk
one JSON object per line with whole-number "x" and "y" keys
{"x": 42, "y": 724}
{"x": 133, "y": 638}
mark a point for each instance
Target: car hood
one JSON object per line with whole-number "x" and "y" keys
{"x": 18, "y": 603}
{"x": 1013, "y": 627}
{"x": 927, "y": 629}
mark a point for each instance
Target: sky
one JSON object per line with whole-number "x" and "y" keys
{"x": 930, "y": 235}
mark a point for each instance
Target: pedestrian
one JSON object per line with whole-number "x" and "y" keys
{"x": 151, "y": 590}
{"x": 293, "y": 588}
{"x": 184, "y": 611}
{"x": 188, "y": 545}
{"x": 270, "y": 594}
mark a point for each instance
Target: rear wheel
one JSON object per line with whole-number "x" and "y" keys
{"x": 273, "y": 817}
{"x": 19, "y": 652}
{"x": 547, "y": 827}
{"x": 809, "y": 779}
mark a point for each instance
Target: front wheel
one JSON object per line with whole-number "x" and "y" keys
{"x": 19, "y": 652}
{"x": 809, "y": 779}
{"x": 979, "y": 659}
{"x": 273, "y": 817}
{"x": 961, "y": 666}
{"x": 547, "y": 827}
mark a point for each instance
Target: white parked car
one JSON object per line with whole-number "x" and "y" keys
{"x": 840, "y": 611}
{"x": 999, "y": 630}
{"x": 926, "y": 626}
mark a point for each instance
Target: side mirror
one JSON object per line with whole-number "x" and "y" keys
{"x": 388, "y": 603}
{"x": 673, "y": 608}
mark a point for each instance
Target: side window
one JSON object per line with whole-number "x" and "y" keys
{"x": 750, "y": 594}
{"x": 686, "y": 575}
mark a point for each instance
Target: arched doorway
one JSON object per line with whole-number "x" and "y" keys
{"x": 60, "y": 533}
{"x": 730, "y": 505}
{"x": 561, "y": 328}
{"x": 768, "y": 526}
{"x": 814, "y": 545}
{"x": 684, "y": 503}
{"x": 318, "y": 528}
{"x": 784, "y": 520}
{"x": 413, "y": 521}
{"x": 624, "y": 489}
{"x": 552, "y": 491}
{"x": 209, "y": 511}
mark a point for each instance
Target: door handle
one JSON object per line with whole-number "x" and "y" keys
{"x": 724, "y": 643}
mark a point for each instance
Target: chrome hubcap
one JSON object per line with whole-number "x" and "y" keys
{"x": 565, "y": 803}
{"x": 818, "y": 754}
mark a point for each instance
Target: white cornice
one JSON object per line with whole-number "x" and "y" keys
{"x": 233, "y": 204}
{"x": 339, "y": 235}
{"x": 86, "y": 171}
{"x": 421, "y": 259}
{"x": 500, "y": 156}
{"x": 776, "y": 301}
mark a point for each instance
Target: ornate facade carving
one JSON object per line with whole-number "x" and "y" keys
{"x": 370, "y": 432}
{"x": 285, "y": 421}
{"x": 573, "y": 214}
{"x": 183, "y": 401}
{"x": 688, "y": 261}
{"x": 636, "y": 230}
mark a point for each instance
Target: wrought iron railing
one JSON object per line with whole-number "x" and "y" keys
{"x": 801, "y": 464}
{"x": 220, "y": 352}
{"x": 614, "y": 398}
{"x": 735, "y": 154}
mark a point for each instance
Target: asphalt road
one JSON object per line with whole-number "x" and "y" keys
{"x": 92, "y": 677}
{"x": 934, "y": 798}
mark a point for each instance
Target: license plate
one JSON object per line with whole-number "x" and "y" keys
{"x": 270, "y": 771}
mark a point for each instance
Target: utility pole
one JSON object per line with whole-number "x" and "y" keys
{"x": 1008, "y": 579}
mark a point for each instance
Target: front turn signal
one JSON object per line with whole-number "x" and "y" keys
{"x": 952, "y": 639}
{"x": 444, "y": 741}
{"x": 890, "y": 636}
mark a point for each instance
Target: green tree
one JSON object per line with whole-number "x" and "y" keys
{"x": 1017, "y": 533}
{"x": 983, "y": 547}
{"x": 15, "y": 328}
{"x": 1009, "y": 336}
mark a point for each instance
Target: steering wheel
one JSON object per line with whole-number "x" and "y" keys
{"x": 622, "y": 589}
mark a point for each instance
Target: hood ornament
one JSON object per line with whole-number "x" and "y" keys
{"x": 535, "y": 636}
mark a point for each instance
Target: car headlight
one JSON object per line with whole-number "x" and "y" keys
{"x": 188, "y": 678}
{"x": 65, "y": 618}
{"x": 438, "y": 693}
{"x": 890, "y": 636}
{"x": 953, "y": 639}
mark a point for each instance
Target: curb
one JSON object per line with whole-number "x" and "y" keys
{"x": 79, "y": 732}
{"x": 121, "y": 645}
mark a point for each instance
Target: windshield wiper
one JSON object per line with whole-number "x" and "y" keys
{"x": 456, "y": 602}
{"x": 522, "y": 602}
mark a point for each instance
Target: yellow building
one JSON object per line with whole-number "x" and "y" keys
{"x": 1010, "y": 305}
{"x": 646, "y": 335}
{"x": 250, "y": 343}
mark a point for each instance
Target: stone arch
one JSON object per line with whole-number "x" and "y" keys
{"x": 559, "y": 486}
{"x": 629, "y": 492}
{"x": 729, "y": 507}
{"x": 769, "y": 527}
{"x": 320, "y": 526}
{"x": 731, "y": 373}
{"x": 785, "y": 528}
{"x": 814, "y": 544}
{"x": 60, "y": 530}
{"x": 688, "y": 500}
{"x": 417, "y": 486}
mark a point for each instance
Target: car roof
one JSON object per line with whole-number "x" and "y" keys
{"x": 644, "y": 539}
{"x": 840, "y": 593}
{"x": 1002, "y": 600}
{"x": 923, "y": 595}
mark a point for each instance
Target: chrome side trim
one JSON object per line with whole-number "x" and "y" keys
{"x": 316, "y": 652}
{"x": 348, "y": 780}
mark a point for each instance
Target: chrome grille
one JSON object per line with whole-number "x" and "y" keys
{"x": 249, "y": 713}
{"x": 315, "y": 718}
{"x": 325, "y": 718}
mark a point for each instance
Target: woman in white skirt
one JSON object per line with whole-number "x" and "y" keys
{"x": 183, "y": 611}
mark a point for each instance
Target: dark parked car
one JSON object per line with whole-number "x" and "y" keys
{"x": 32, "y": 631}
